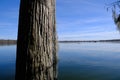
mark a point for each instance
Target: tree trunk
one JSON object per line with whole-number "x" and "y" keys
{"x": 37, "y": 43}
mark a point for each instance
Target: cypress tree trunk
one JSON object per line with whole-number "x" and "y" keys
{"x": 37, "y": 44}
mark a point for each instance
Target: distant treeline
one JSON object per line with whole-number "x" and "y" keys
{"x": 113, "y": 40}
{"x": 12, "y": 42}
{"x": 7, "y": 42}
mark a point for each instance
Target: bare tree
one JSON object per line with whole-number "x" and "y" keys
{"x": 115, "y": 6}
{"x": 116, "y": 18}
{"x": 37, "y": 43}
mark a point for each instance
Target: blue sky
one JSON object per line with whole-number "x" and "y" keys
{"x": 76, "y": 20}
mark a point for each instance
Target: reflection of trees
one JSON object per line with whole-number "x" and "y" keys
{"x": 37, "y": 43}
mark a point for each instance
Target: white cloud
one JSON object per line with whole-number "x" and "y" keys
{"x": 83, "y": 21}
{"x": 90, "y": 36}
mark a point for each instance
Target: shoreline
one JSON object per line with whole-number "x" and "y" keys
{"x": 7, "y": 42}
{"x": 12, "y": 42}
{"x": 89, "y": 41}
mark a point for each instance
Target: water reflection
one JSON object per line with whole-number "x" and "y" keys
{"x": 89, "y": 61}
{"x": 77, "y": 61}
{"x": 7, "y": 62}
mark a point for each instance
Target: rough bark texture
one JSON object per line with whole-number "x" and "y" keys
{"x": 37, "y": 43}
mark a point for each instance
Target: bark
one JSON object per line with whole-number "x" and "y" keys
{"x": 37, "y": 43}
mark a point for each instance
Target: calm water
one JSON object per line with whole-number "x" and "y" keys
{"x": 77, "y": 61}
{"x": 7, "y": 62}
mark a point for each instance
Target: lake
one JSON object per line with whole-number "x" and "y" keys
{"x": 77, "y": 61}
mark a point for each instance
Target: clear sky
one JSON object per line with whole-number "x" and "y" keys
{"x": 76, "y": 20}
